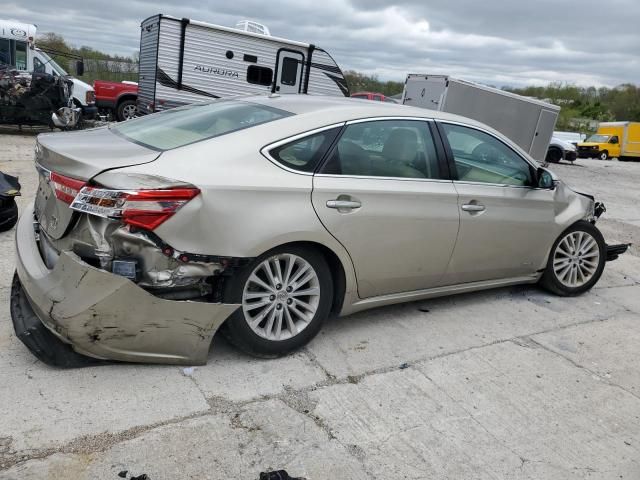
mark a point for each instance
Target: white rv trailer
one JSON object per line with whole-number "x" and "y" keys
{"x": 526, "y": 121}
{"x": 185, "y": 61}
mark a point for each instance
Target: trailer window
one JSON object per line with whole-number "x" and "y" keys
{"x": 193, "y": 123}
{"x": 289, "y": 71}
{"x": 259, "y": 75}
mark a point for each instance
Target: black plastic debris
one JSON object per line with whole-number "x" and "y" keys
{"x": 278, "y": 475}
{"x": 144, "y": 476}
{"x": 123, "y": 474}
{"x": 404, "y": 365}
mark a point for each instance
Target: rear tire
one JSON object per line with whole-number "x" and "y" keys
{"x": 8, "y": 215}
{"x": 279, "y": 313}
{"x": 126, "y": 110}
{"x": 576, "y": 260}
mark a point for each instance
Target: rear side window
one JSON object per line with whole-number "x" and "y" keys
{"x": 259, "y": 75}
{"x": 305, "y": 153}
{"x": 192, "y": 123}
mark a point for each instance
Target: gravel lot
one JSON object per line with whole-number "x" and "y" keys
{"x": 507, "y": 384}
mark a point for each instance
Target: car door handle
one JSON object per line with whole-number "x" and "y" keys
{"x": 473, "y": 207}
{"x": 343, "y": 204}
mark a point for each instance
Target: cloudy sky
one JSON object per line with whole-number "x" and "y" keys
{"x": 498, "y": 42}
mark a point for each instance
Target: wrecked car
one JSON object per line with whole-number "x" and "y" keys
{"x": 267, "y": 214}
{"x": 36, "y": 99}
{"x": 9, "y": 190}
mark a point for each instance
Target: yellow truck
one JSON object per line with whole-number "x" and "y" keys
{"x": 619, "y": 140}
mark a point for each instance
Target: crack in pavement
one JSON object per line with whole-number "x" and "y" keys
{"x": 579, "y": 366}
{"x": 296, "y": 399}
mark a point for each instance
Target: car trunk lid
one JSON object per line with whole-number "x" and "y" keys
{"x": 78, "y": 156}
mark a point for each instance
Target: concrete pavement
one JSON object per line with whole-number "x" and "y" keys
{"x": 511, "y": 383}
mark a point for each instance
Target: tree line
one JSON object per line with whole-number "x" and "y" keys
{"x": 580, "y": 105}
{"x": 97, "y": 65}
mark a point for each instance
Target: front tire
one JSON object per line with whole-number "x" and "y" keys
{"x": 604, "y": 155}
{"x": 285, "y": 296}
{"x": 576, "y": 260}
{"x": 554, "y": 155}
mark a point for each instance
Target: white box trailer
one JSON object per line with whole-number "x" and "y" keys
{"x": 185, "y": 61}
{"x": 526, "y": 121}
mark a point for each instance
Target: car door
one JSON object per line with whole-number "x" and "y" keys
{"x": 383, "y": 193}
{"x": 288, "y": 71}
{"x": 506, "y": 224}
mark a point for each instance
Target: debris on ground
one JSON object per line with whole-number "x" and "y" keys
{"x": 278, "y": 475}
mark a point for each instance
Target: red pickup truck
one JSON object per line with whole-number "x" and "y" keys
{"x": 118, "y": 98}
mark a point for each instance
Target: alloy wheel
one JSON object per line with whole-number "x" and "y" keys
{"x": 576, "y": 259}
{"x": 281, "y": 297}
{"x": 129, "y": 112}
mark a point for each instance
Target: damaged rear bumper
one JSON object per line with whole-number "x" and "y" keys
{"x": 614, "y": 251}
{"x": 107, "y": 316}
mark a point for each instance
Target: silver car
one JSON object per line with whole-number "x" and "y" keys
{"x": 264, "y": 215}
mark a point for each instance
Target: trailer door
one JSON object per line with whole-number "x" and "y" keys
{"x": 542, "y": 137}
{"x": 288, "y": 71}
{"x": 425, "y": 92}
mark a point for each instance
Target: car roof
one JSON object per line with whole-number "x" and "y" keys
{"x": 346, "y": 108}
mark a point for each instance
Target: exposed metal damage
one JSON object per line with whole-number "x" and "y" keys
{"x": 74, "y": 294}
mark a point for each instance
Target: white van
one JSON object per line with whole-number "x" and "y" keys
{"x": 17, "y": 49}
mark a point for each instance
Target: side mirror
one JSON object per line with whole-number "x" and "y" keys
{"x": 79, "y": 68}
{"x": 545, "y": 179}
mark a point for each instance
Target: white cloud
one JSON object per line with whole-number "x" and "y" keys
{"x": 493, "y": 41}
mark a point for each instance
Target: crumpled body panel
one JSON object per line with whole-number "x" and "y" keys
{"x": 107, "y": 316}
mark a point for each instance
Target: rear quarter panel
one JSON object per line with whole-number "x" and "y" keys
{"x": 247, "y": 206}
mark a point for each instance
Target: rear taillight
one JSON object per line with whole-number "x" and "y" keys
{"x": 65, "y": 188}
{"x": 146, "y": 209}
{"x": 90, "y": 97}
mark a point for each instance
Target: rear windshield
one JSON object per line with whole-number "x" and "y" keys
{"x": 192, "y": 123}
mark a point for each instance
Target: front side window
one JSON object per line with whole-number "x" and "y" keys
{"x": 385, "y": 148}
{"x": 289, "y": 74}
{"x": 480, "y": 157}
{"x": 192, "y": 123}
{"x": 38, "y": 66}
{"x": 304, "y": 154}
{"x": 614, "y": 139}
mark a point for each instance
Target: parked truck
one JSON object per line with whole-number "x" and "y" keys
{"x": 19, "y": 52}
{"x": 118, "y": 99}
{"x": 526, "y": 121}
{"x": 619, "y": 140}
{"x": 185, "y": 61}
